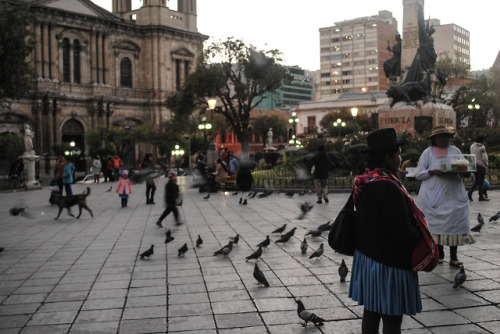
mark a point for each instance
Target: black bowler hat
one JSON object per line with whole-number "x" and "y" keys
{"x": 382, "y": 139}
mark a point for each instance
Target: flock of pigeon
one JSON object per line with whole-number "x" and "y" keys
{"x": 461, "y": 276}
{"x": 284, "y": 237}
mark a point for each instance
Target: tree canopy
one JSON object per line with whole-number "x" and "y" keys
{"x": 238, "y": 76}
{"x": 261, "y": 125}
{"x": 16, "y": 43}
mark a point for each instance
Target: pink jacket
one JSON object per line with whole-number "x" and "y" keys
{"x": 124, "y": 183}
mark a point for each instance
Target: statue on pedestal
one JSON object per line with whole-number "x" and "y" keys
{"x": 28, "y": 140}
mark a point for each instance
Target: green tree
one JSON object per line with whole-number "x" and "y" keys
{"x": 16, "y": 43}
{"x": 451, "y": 69}
{"x": 261, "y": 125}
{"x": 237, "y": 75}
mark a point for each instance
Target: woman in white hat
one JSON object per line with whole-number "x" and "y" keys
{"x": 442, "y": 196}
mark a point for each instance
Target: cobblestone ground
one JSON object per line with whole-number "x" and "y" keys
{"x": 85, "y": 275}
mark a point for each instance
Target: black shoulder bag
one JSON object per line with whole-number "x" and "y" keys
{"x": 342, "y": 237}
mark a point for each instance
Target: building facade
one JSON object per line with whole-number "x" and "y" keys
{"x": 97, "y": 68}
{"x": 452, "y": 41}
{"x": 300, "y": 89}
{"x": 353, "y": 53}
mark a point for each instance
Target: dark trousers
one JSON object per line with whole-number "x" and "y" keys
{"x": 479, "y": 176}
{"x": 69, "y": 190}
{"x": 166, "y": 212}
{"x": 453, "y": 252}
{"x": 60, "y": 185}
{"x": 150, "y": 192}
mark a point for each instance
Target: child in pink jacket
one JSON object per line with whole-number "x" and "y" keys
{"x": 124, "y": 188}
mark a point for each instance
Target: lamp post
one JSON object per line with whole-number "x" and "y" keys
{"x": 294, "y": 120}
{"x": 354, "y": 113}
{"x": 212, "y": 148}
{"x": 177, "y": 152}
{"x": 338, "y": 123}
{"x": 204, "y": 126}
{"x": 472, "y": 107}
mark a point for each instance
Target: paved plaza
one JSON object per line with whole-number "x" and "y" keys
{"x": 85, "y": 275}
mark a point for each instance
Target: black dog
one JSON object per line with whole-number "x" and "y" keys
{"x": 69, "y": 201}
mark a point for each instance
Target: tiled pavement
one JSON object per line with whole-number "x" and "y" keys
{"x": 84, "y": 276}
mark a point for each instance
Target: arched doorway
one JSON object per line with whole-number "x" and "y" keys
{"x": 73, "y": 134}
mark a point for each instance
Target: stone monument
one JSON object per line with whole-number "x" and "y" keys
{"x": 29, "y": 159}
{"x": 269, "y": 141}
{"x": 416, "y": 98}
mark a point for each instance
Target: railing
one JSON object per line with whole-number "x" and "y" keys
{"x": 288, "y": 178}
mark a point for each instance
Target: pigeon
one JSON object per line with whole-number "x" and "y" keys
{"x": 304, "y": 208}
{"x": 199, "y": 241}
{"x": 279, "y": 230}
{"x": 235, "y": 239}
{"x": 318, "y": 252}
{"x": 252, "y": 195}
{"x": 303, "y": 247}
{"x": 265, "y": 243}
{"x": 495, "y": 217}
{"x": 308, "y": 315}
{"x": 20, "y": 211}
{"x": 326, "y": 226}
{"x": 182, "y": 250}
{"x": 207, "y": 197}
{"x": 460, "y": 278}
{"x": 480, "y": 218}
{"x": 477, "y": 228}
{"x": 225, "y": 250}
{"x": 289, "y": 193}
{"x": 148, "y": 252}
{"x": 109, "y": 189}
{"x": 285, "y": 237}
{"x": 315, "y": 232}
{"x": 343, "y": 270}
{"x": 255, "y": 255}
{"x": 266, "y": 193}
{"x": 259, "y": 276}
{"x": 168, "y": 236}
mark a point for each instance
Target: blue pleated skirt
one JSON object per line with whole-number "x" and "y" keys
{"x": 384, "y": 289}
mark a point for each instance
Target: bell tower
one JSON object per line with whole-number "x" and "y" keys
{"x": 122, "y": 6}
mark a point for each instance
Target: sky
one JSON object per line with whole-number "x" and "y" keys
{"x": 293, "y": 26}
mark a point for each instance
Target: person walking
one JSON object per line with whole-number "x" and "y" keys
{"x": 479, "y": 151}
{"x": 96, "y": 168}
{"x": 67, "y": 177}
{"x": 382, "y": 278}
{"x": 109, "y": 169}
{"x": 117, "y": 163}
{"x": 244, "y": 182}
{"x": 58, "y": 173}
{"x": 172, "y": 196}
{"x": 234, "y": 164}
{"x": 124, "y": 188}
{"x": 104, "y": 168}
{"x": 442, "y": 196}
{"x": 147, "y": 166}
{"x": 322, "y": 165}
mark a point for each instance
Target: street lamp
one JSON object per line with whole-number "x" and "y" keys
{"x": 472, "y": 107}
{"x": 338, "y": 123}
{"x": 294, "y": 120}
{"x": 177, "y": 152}
{"x": 212, "y": 148}
{"x": 354, "y": 113}
{"x": 204, "y": 126}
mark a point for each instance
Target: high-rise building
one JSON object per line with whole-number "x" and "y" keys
{"x": 353, "y": 53}
{"x": 300, "y": 89}
{"x": 451, "y": 40}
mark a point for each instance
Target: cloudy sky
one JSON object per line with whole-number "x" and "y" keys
{"x": 291, "y": 26}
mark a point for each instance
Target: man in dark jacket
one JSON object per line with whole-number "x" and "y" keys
{"x": 321, "y": 164}
{"x": 147, "y": 166}
{"x": 172, "y": 195}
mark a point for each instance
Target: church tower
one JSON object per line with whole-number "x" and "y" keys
{"x": 122, "y": 6}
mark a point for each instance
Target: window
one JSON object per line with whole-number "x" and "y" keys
{"x": 65, "y": 49}
{"x": 126, "y": 73}
{"x": 325, "y": 75}
{"x": 76, "y": 61}
{"x": 177, "y": 74}
{"x": 335, "y": 40}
